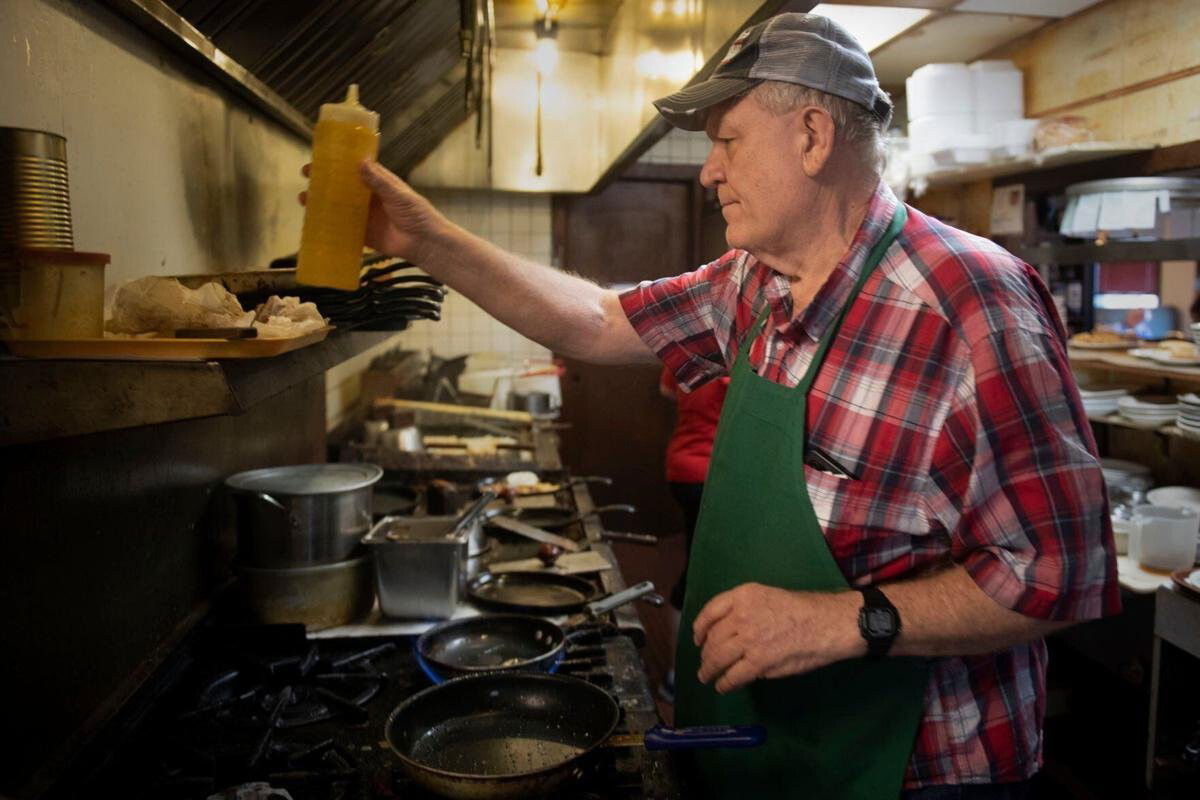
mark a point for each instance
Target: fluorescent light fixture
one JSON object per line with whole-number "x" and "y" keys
{"x": 1032, "y": 8}
{"x": 872, "y": 25}
{"x": 545, "y": 55}
{"x": 676, "y": 66}
{"x": 1123, "y": 300}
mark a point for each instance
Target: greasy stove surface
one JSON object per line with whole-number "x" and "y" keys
{"x": 239, "y": 705}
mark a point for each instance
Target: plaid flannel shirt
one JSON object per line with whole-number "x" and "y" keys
{"x": 948, "y": 396}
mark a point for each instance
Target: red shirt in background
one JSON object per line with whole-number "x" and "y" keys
{"x": 690, "y": 448}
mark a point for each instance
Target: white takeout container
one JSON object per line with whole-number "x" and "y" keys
{"x": 1164, "y": 538}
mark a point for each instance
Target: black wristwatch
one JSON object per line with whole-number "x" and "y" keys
{"x": 878, "y": 622}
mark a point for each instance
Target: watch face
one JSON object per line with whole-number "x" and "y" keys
{"x": 879, "y": 622}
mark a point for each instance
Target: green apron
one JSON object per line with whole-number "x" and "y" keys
{"x": 846, "y": 730}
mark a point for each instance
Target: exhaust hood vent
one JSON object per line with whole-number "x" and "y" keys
{"x": 407, "y": 56}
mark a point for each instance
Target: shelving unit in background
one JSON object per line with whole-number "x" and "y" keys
{"x": 1051, "y": 158}
{"x": 1119, "y": 363}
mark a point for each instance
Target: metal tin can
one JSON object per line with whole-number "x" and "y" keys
{"x": 35, "y": 201}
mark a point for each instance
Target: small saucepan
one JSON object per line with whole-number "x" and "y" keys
{"x": 520, "y": 734}
{"x": 502, "y": 642}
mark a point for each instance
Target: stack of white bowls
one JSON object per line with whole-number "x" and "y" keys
{"x": 999, "y": 96}
{"x": 1102, "y": 402}
{"x": 1188, "y": 418}
{"x": 959, "y": 114}
{"x": 1118, "y": 472}
{"x": 1149, "y": 411}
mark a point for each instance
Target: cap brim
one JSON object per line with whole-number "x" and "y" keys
{"x": 683, "y": 108}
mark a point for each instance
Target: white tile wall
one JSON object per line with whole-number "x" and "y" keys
{"x": 678, "y": 147}
{"x": 519, "y": 223}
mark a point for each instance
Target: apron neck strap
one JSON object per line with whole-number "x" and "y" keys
{"x": 899, "y": 217}
{"x": 873, "y": 258}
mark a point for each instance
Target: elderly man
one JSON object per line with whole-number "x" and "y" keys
{"x": 904, "y": 496}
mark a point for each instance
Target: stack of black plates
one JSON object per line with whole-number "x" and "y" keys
{"x": 391, "y": 294}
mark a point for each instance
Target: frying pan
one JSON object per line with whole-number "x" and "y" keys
{"x": 545, "y": 593}
{"x": 501, "y": 642}
{"x": 516, "y": 734}
{"x": 556, "y": 518}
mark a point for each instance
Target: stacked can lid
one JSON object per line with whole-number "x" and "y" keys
{"x": 35, "y": 202}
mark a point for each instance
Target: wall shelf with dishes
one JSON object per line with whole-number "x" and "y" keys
{"x": 990, "y": 167}
{"x": 1120, "y": 362}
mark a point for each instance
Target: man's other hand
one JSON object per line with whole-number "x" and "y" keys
{"x": 754, "y": 631}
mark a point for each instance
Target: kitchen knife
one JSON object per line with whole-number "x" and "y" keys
{"x": 511, "y": 525}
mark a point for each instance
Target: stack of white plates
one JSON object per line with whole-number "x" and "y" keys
{"x": 1196, "y": 332}
{"x": 1188, "y": 418}
{"x": 1117, "y": 472}
{"x": 1099, "y": 402}
{"x": 1149, "y": 411}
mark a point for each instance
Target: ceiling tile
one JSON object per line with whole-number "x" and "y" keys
{"x": 1034, "y": 8}
{"x": 872, "y": 25}
{"x": 952, "y": 37}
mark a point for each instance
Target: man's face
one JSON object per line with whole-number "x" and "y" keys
{"x": 755, "y": 167}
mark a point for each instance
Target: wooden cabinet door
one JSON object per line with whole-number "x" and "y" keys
{"x": 620, "y": 424}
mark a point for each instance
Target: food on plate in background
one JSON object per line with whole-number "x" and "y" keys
{"x": 284, "y": 317}
{"x": 156, "y": 305}
{"x": 1101, "y": 337}
{"x": 1062, "y": 131}
{"x": 163, "y": 305}
{"x": 1178, "y": 348}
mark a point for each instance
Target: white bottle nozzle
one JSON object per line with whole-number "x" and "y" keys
{"x": 350, "y": 111}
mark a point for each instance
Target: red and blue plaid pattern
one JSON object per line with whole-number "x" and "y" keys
{"x": 948, "y": 395}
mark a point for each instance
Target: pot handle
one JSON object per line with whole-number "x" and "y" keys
{"x": 581, "y": 479}
{"x": 628, "y": 509}
{"x": 601, "y": 607}
{"x": 704, "y": 737}
{"x": 625, "y": 536}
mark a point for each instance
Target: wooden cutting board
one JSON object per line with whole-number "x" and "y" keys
{"x": 160, "y": 348}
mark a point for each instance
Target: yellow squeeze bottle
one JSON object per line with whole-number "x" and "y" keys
{"x": 335, "y": 216}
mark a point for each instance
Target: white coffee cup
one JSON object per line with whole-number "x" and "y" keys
{"x": 1164, "y": 538}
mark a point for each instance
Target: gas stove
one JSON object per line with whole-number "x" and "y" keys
{"x": 255, "y": 712}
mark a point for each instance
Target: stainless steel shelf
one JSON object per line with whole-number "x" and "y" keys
{"x": 1088, "y": 252}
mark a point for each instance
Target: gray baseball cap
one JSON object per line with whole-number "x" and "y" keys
{"x": 807, "y": 49}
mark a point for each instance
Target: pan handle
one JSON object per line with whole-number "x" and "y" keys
{"x": 705, "y": 737}
{"x": 581, "y": 479}
{"x": 474, "y": 510}
{"x": 624, "y": 536}
{"x": 598, "y": 510}
{"x": 601, "y": 607}
{"x": 628, "y": 509}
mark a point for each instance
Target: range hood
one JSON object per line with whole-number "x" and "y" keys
{"x": 430, "y": 68}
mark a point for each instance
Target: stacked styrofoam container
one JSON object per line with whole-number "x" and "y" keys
{"x": 959, "y": 114}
